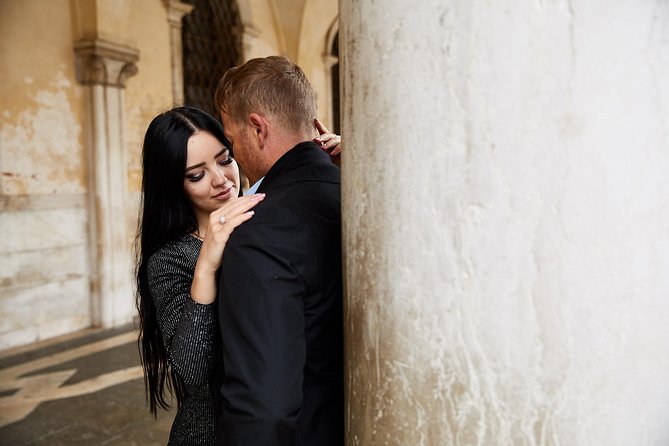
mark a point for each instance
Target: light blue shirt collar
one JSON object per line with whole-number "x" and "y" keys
{"x": 252, "y": 190}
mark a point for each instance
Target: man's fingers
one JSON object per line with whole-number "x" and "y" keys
{"x": 320, "y": 127}
{"x": 331, "y": 141}
{"x": 326, "y": 138}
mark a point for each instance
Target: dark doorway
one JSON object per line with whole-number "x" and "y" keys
{"x": 334, "y": 72}
{"x": 211, "y": 44}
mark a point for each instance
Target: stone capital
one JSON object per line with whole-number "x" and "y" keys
{"x": 103, "y": 62}
{"x": 176, "y": 10}
{"x": 330, "y": 60}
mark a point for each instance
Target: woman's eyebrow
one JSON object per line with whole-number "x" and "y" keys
{"x": 195, "y": 166}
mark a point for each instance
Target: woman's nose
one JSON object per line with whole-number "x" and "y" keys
{"x": 219, "y": 178}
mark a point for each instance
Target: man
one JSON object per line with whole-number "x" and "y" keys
{"x": 280, "y": 289}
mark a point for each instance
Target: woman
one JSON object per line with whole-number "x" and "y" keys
{"x": 190, "y": 205}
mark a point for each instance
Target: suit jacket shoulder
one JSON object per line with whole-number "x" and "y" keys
{"x": 280, "y": 299}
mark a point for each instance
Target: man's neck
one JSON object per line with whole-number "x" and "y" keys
{"x": 282, "y": 145}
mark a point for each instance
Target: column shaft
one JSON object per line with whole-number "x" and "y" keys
{"x": 505, "y": 207}
{"x": 104, "y": 67}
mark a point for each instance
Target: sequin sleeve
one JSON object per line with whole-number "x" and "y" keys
{"x": 187, "y": 327}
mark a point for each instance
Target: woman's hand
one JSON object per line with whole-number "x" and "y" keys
{"x": 329, "y": 142}
{"x": 221, "y": 224}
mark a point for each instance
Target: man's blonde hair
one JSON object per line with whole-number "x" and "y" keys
{"x": 273, "y": 87}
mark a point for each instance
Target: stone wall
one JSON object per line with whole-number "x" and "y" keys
{"x": 47, "y": 278}
{"x": 44, "y": 277}
{"x": 70, "y": 146}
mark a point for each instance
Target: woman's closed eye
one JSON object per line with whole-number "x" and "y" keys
{"x": 225, "y": 160}
{"x": 195, "y": 177}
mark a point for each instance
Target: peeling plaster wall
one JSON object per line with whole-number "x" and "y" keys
{"x": 44, "y": 272}
{"x": 44, "y": 253}
{"x": 43, "y": 183}
{"x": 506, "y": 222}
{"x": 148, "y": 93}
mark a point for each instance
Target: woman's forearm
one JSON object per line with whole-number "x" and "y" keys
{"x": 203, "y": 289}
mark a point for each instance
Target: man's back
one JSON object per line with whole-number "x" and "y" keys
{"x": 280, "y": 308}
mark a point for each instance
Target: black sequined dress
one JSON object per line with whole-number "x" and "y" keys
{"x": 189, "y": 331}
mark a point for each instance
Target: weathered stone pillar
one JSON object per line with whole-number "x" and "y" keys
{"x": 506, "y": 222}
{"x": 249, "y": 32}
{"x": 176, "y": 10}
{"x": 104, "y": 67}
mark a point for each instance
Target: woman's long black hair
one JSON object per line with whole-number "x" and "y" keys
{"x": 166, "y": 214}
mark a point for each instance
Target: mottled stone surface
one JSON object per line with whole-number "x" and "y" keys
{"x": 506, "y": 215}
{"x": 44, "y": 273}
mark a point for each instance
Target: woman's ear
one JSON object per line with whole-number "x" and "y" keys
{"x": 259, "y": 126}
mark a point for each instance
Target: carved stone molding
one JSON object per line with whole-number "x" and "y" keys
{"x": 103, "y": 62}
{"x": 176, "y": 10}
{"x": 104, "y": 67}
{"x": 330, "y": 61}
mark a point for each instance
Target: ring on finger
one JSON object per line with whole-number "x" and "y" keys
{"x": 221, "y": 219}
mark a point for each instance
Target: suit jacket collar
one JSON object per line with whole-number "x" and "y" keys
{"x": 304, "y": 162}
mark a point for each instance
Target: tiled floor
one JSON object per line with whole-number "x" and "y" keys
{"x": 84, "y": 389}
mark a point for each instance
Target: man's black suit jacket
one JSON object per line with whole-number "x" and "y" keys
{"x": 280, "y": 311}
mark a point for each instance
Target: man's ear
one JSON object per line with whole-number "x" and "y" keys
{"x": 259, "y": 127}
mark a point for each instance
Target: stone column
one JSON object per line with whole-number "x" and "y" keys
{"x": 104, "y": 67}
{"x": 249, "y": 33}
{"x": 176, "y": 10}
{"x": 506, "y": 213}
{"x": 250, "y": 36}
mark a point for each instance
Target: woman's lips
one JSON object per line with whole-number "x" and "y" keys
{"x": 225, "y": 194}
